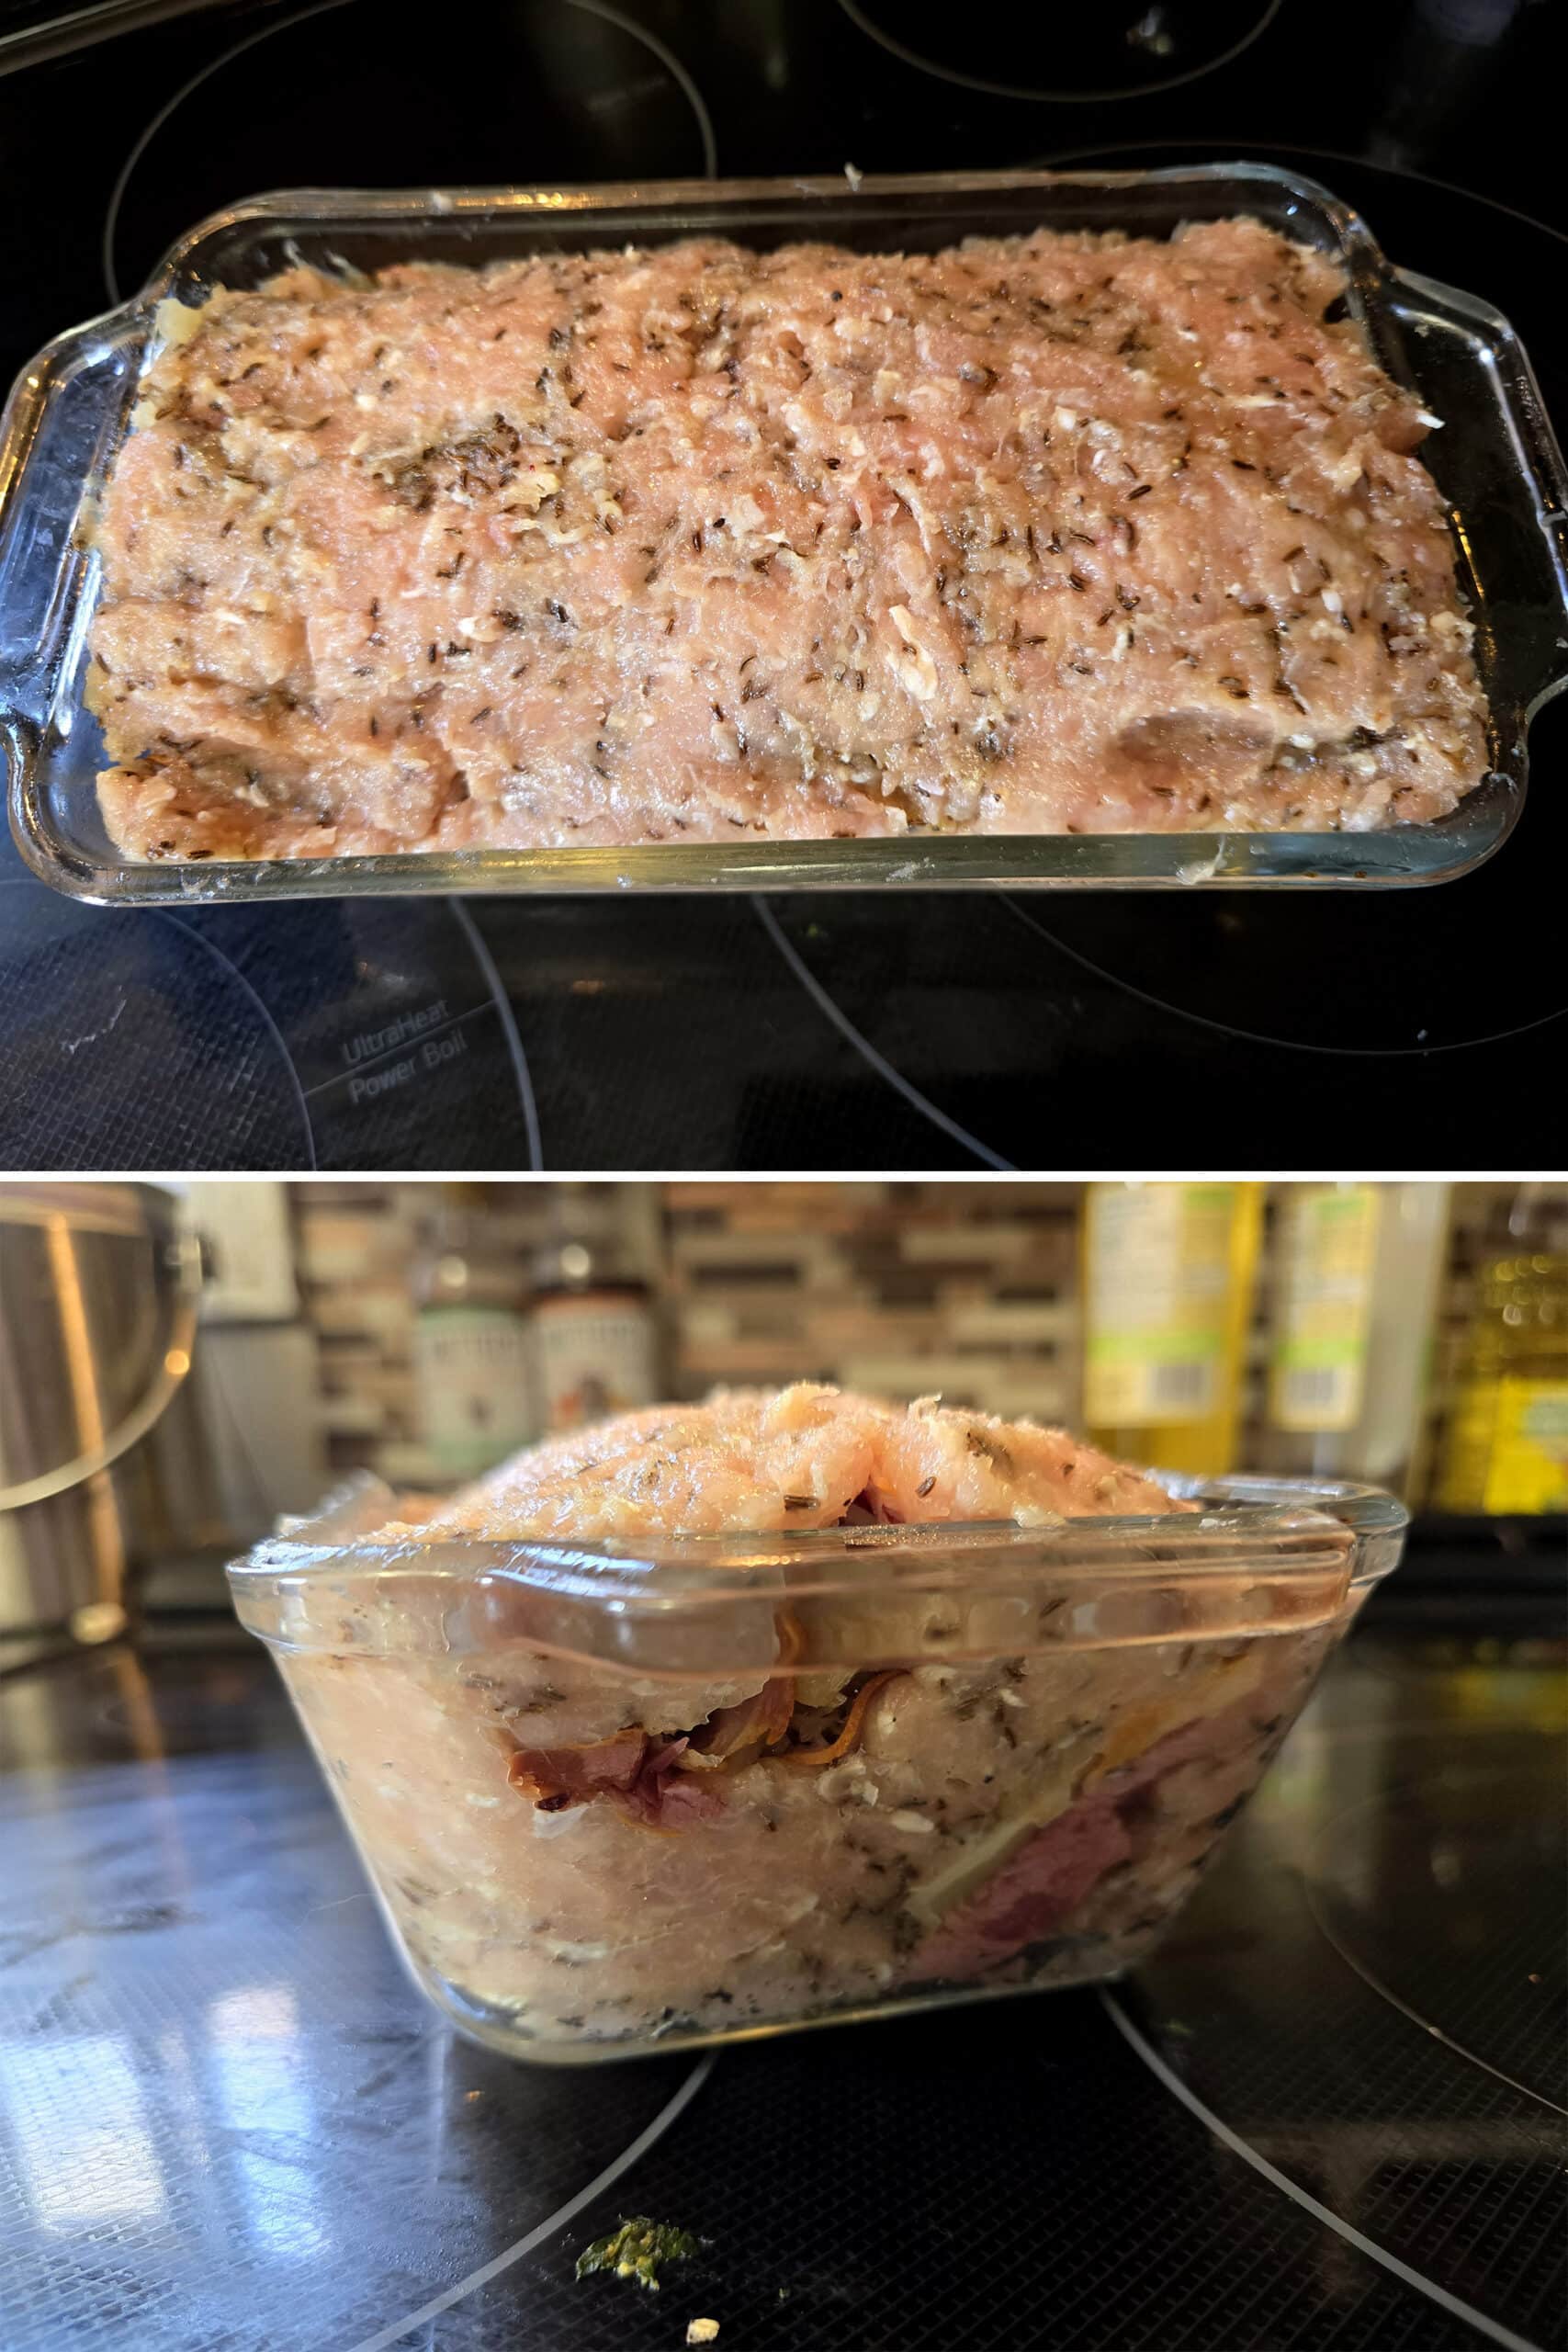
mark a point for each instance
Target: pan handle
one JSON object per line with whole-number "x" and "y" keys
{"x": 1515, "y": 509}
{"x": 173, "y": 1363}
{"x": 57, "y": 430}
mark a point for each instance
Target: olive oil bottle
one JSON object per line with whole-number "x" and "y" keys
{"x": 1357, "y": 1271}
{"x": 1169, "y": 1278}
{"x": 1506, "y": 1445}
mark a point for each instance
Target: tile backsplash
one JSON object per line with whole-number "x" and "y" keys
{"x": 906, "y": 1288}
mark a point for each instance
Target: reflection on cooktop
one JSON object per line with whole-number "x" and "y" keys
{"x": 1367, "y": 1848}
{"x": 220, "y": 2098}
{"x": 841, "y": 1032}
{"x": 552, "y": 94}
{"x": 1438, "y": 1894}
{"x": 1110, "y": 52}
{"x": 150, "y": 1054}
{"x": 1389, "y": 989}
{"x": 353, "y": 1036}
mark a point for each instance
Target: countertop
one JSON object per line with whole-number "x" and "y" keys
{"x": 1329, "y": 2114}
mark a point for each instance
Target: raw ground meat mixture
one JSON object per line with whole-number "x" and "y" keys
{"x": 928, "y": 1789}
{"x": 1052, "y": 534}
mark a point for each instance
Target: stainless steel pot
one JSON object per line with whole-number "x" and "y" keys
{"x": 98, "y": 1296}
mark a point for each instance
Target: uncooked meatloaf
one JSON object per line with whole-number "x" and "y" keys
{"x": 681, "y": 1838}
{"x": 1051, "y": 534}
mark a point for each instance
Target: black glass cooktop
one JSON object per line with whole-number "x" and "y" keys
{"x": 915, "y": 1032}
{"x": 1331, "y": 2116}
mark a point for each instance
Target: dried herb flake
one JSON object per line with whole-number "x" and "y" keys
{"x": 636, "y": 2250}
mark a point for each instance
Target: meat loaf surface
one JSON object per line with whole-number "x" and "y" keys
{"x": 755, "y": 1460}
{"x": 1052, "y": 534}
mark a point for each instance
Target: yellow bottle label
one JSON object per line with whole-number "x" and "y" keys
{"x": 1528, "y": 1467}
{"x": 1328, "y": 1260}
{"x": 1159, "y": 1276}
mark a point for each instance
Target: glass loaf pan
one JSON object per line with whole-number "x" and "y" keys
{"x": 1496, "y": 465}
{"x": 1012, "y": 1750}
